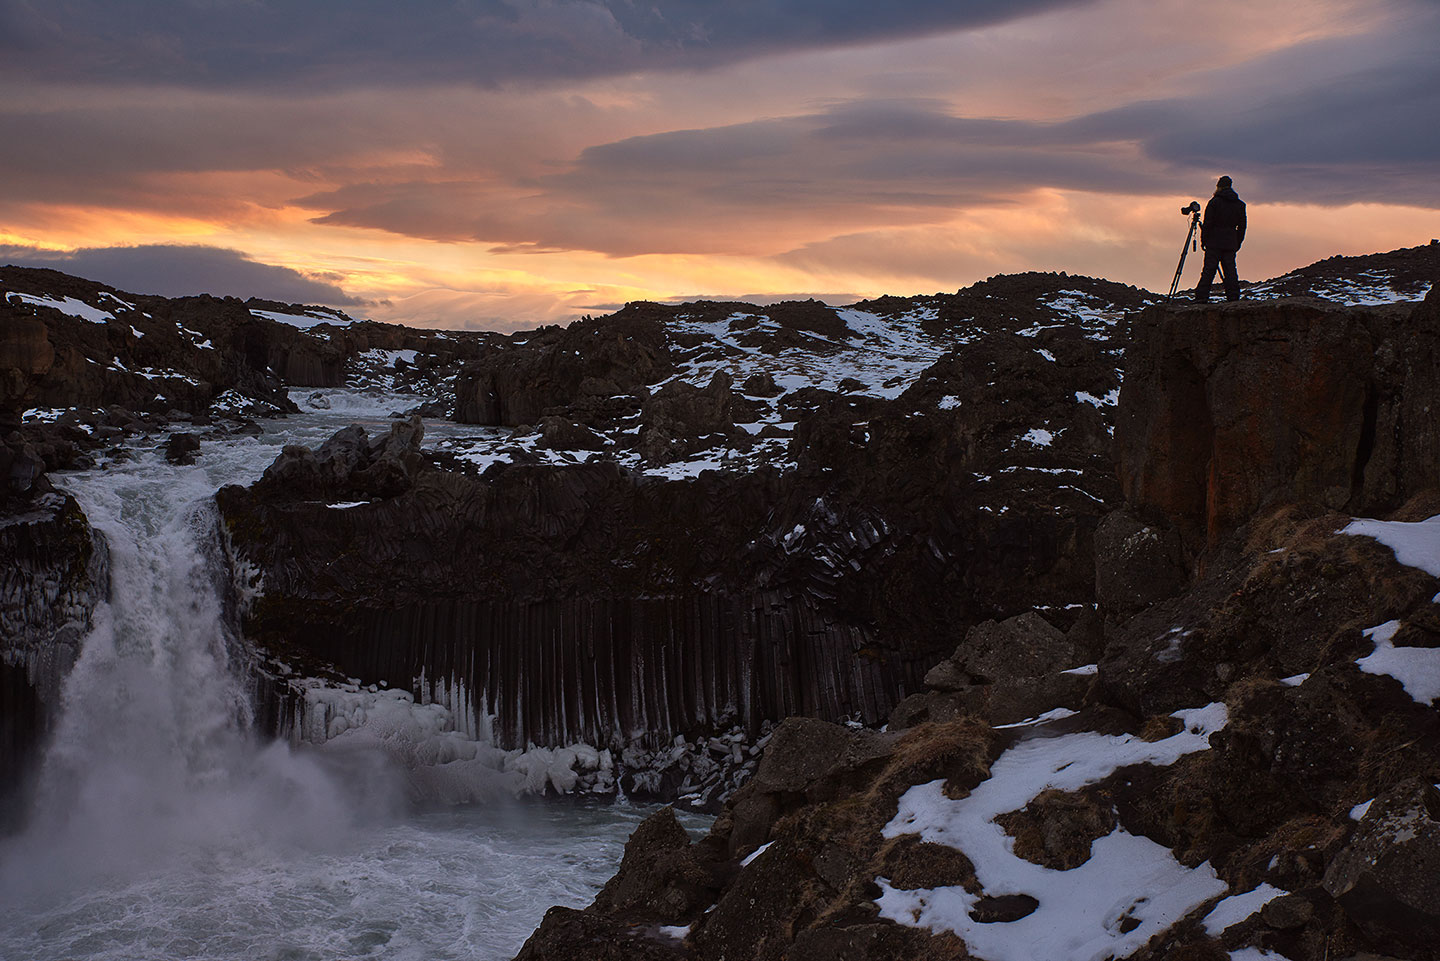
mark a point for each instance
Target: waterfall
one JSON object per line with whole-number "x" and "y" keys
{"x": 164, "y": 826}
{"x": 153, "y": 757}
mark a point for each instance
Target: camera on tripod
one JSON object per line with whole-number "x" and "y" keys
{"x": 1191, "y": 210}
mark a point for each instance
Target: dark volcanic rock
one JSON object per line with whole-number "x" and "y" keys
{"x": 181, "y": 448}
{"x": 1280, "y": 608}
{"x": 350, "y": 464}
{"x": 161, "y": 356}
{"x": 660, "y": 877}
{"x": 581, "y": 603}
{"x": 1005, "y": 671}
{"x": 1289, "y": 605}
{"x": 1020, "y": 647}
{"x": 55, "y": 570}
{"x": 807, "y": 760}
{"x": 1388, "y": 877}
{"x": 1233, "y": 409}
{"x": 152, "y": 356}
{"x": 1136, "y": 564}
{"x": 569, "y": 935}
{"x": 558, "y": 433}
{"x": 676, "y": 417}
{"x": 556, "y": 370}
{"x": 810, "y": 891}
{"x": 1056, "y": 829}
{"x": 1003, "y": 908}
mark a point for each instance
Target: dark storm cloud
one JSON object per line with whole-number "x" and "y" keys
{"x": 1369, "y": 136}
{"x": 1364, "y": 136}
{"x": 365, "y": 42}
{"x": 697, "y": 191}
{"x": 179, "y": 271}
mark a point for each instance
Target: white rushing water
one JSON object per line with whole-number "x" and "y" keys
{"x": 164, "y": 828}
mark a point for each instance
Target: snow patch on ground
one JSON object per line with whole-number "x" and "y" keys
{"x": 1416, "y": 544}
{"x": 749, "y": 858}
{"x": 1085, "y": 308}
{"x": 123, "y": 304}
{"x": 1238, "y": 907}
{"x": 311, "y": 318}
{"x": 1367, "y": 288}
{"x": 66, "y": 305}
{"x": 1255, "y": 954}
{"x": 1416, "y": 668}
{"x": 1057, "y": 714}
{"x": 1111, "y": 399}
{"x": 1127, "y": 879}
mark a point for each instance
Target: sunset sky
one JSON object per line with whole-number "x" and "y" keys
{"x": 506, "y": 163}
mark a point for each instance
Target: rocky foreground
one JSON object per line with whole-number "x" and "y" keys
{"x": 1241, "y": 763}
{"x": 1071, "y": 670}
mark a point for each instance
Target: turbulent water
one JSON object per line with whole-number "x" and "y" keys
{"x": 163, "y": 828}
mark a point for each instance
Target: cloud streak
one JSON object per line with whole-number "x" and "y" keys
{"x": 237, "y": 43}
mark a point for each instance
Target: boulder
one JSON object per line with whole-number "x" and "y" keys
{"x": 1387, "y": 878}
{"x": 1287, "y": 912}
{"x": 565, "y": 934}
{"x": 761, "y": 385}
{"x": 660, "y": 878}
{"x": 939, "y": 707}
{"x": 1003, "y": 671}
{"x": 181, "y": 448}
{"x": 1136, "y": 564}
{"x": 805, "y": 755}
{"x": 1019, "y": 699}
{"x": 1055, "y": 829}
{"x": 947, "y": 676}
{"x": 806, "y": 761}
{"x": 21, "y": 468}
{"x": 1024, "y": 646}
{"x": 553, "y": 370}
{"x": 560, "y": 433}
{"x": 349, "y": 463}
{"x": 683, "y": 413}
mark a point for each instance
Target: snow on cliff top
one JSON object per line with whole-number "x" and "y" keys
{"x": 313, "y": 317}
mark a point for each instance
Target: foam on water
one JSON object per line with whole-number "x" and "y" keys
{"x": 459, "y": 883}
{"x": 164, "y": 828}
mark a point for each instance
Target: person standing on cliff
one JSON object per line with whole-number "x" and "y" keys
{"x": 1221, "y": 234}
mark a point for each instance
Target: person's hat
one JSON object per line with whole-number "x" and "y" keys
{"x": 1223, "y": 182}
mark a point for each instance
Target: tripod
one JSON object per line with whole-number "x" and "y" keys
{"x": 1190, "y": 243}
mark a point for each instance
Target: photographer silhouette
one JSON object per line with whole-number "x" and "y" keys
{"x": 1221, "y": 234}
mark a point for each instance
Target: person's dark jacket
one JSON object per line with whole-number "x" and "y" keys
{"x": 1224, "y": 224}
